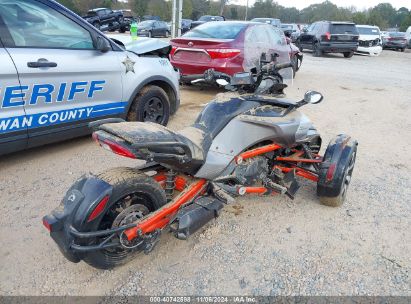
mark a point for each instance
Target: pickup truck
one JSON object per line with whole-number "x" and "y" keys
{"x": 101, "y": 17}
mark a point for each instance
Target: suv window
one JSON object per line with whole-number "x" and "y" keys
{"x": 343, "y": 28}
{"x": 33, "y": 24}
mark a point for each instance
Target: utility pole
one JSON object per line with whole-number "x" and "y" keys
{"x": 246, "y": 11}
{"x": 173, "y": 20}
{"x": 180, "y": 16}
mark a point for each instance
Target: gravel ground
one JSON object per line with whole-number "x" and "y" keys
{"x": 259, "y": 245}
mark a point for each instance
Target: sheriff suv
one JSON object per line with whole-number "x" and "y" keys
{"x": 58, "y": 73}
{"x": 330, "y": 37}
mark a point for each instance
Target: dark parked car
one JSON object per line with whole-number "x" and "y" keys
{"x": 100, "y": 17}
{"x": 185, "y": 25}
{"x": 227, "y": 48}
{"x": 129, "y": 18}
{"x": 273, "y": 21}
{"x": 153, "y": 28}
{"x": 396, "y": 41}
{"x": 330, "y": 37}
{"x": 291, "y": 30}
{"x": 206, "y": 18}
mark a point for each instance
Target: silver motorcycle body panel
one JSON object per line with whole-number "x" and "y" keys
{"x": 262, "y": 124}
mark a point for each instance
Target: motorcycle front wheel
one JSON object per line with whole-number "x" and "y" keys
{"x": 134, "y": 196}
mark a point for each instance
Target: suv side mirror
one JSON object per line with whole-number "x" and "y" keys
{"x": 102, "y": 44}
{"x": 313, "y": 97}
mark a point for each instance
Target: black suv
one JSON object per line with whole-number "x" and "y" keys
{"x": 330, "y": 37}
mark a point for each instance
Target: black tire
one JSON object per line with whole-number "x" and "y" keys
{"x": 333, "y": 192}
{"x": 317, "y": 52}
{"x": 402, "y": 50}
{"x": 348, "y": 54}
{"x": 122, "y": 30}
{"x": 298, "y": 44}
{"x": 136, "y": 189}
{"x": 96, "y": 25}
{"x": 151, "y": 105}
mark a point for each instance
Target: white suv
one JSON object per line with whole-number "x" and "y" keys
{"x": 369, "y": 41}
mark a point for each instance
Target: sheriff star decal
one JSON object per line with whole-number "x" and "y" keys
{"x": 129, "y": 64}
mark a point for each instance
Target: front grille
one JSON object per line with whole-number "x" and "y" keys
{"x": 369, "y": 43}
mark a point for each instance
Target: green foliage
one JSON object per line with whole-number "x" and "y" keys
{"x": 406, "y": 22}
{"x": 360, "y": 18}
{"x": 187, "y": 9}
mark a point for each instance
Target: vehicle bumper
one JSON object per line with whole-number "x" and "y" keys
{"x": 393, "y": 45}
{"x": 338, "y": 47}
{"x": 142, "y": 34}
{"x": 190, "y": 70}
{"x": 372, "y": 51}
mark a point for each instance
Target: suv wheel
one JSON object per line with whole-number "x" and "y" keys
{"x": 316, "y": 50}
{"x": 348, "y": 54}
{"x": 151, "y": 105}
{"x": 298, "y": 44}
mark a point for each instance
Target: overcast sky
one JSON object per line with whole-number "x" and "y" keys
{"x": 359, "y": 4}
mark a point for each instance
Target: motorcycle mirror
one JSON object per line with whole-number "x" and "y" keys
{"x": 222, "y": 82}
{"x": 313, "y": 97}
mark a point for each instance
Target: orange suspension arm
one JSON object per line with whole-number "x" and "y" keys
{"x": 160, "y": 218}
{"x": 256, "y": 151}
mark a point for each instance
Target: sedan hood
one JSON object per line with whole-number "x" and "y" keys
{"x": 368, "y": 37}
{"x": 142, "y": 46}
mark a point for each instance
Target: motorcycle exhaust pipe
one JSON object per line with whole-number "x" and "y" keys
{"x": 191, "y": 218}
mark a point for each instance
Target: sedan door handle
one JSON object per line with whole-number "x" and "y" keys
{"x": 41, "y": 63}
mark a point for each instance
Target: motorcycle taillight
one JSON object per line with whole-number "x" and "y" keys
{"x": 114, "y": 147}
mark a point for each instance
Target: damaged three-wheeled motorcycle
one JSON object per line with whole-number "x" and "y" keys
{"x": 253, "y": 141}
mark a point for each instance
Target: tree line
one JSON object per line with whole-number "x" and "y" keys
{"x": 383, "y": 15}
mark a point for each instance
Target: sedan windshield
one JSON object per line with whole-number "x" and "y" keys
{"x": 368, "y": 31}
{"x": 396, "y": 34}
{"x": 217, "y": 30}
{"x": 146, "y": 23}
{"x": 287, "y": 26}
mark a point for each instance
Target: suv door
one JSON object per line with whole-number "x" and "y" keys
{"x": 307, "y": 38}
{"x": 65, "y": 81}
{"x": 13, "y": 122}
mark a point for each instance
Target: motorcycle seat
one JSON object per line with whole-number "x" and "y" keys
{"x": 147, "y": 135}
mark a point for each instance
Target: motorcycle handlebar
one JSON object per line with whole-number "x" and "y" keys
{"x": 283, "y": 65}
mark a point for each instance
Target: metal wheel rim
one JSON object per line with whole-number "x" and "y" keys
{"x": 134, "y": 199}
{"x": 153, "y": 110}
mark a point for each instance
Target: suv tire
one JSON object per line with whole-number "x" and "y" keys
{"x": 316, "y": 50}
{"x": 152, "y": 105}
{"x": 348, "y": 54}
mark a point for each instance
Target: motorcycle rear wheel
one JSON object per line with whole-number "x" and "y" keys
{"x": 333, "y": 195}
{"x": 134, "y": 196}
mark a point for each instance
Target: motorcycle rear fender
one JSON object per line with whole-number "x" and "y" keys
{"x": 337, "y": 153}
{"x": 74, "y": 210}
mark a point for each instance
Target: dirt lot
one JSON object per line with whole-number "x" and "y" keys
{"x": 262, "y": 245}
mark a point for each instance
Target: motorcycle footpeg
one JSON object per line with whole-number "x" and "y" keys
{"x": 222, "y": 195}
{"x": 274, "y": 186}
{"x": 292, "y": 189}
